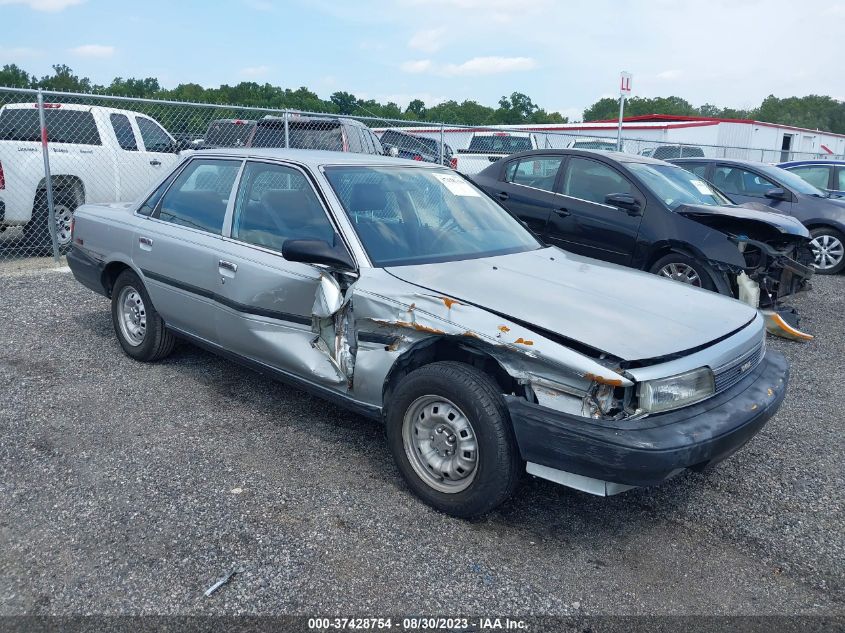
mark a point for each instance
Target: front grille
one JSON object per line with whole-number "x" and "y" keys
{"x": 728, "y": 375}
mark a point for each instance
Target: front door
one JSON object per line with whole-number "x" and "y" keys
{"x": 745, "y": 185}
{"x": 585, "y": 223}
{"x": 267, "y": 301}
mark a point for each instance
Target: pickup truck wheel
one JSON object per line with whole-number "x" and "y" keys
{"x": 36, "y": 232}
{"x": 683, "y": 269}
{"x": 450, "y": 433}
{"x": 139, "y": 328}
{"x": 828, "y": 246}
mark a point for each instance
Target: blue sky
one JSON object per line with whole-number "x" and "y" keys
{"x": 564, "y": 54}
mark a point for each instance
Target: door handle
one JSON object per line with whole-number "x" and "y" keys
{"x": 228, "y": 265}
{"x": 155, "y": 162}
{"x": 503, "y": 195}
{"x": 564, "y": 213}
{"x": 145, "y": 241}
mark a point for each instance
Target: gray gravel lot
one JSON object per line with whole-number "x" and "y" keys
{"x": 130, "y": 488}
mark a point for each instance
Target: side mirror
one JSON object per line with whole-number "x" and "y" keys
{"x": 329, "y": 297}
{"x": 392, "y": 151}
{"x": 317, "y": 252}
{"x": 777, "y": 194}
{"x": 623, "y": 201}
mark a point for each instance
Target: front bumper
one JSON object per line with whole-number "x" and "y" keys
{"x": 647, "y": 451}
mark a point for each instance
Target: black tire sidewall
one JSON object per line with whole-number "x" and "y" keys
{"x": 498, "y": 458}
{"x": 824, "y": 230}
{"x": 146, "y": 350}
{"x": 703, "y": 271}
{"x": 36, "y": 232}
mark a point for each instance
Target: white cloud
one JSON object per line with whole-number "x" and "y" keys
{"x": 472, "y": 67}
{"x": 50, "y": 6}
{"x": 428, "y": 40}
{"x": 669, "y": 75}
{"x": 254, "y": 71}
{"x": 93, "y": 50}
{"x": 417, "y": 66}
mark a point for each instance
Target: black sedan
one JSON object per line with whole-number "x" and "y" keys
{"x": 754, "y": 184}
{"x": 648, "y": 214}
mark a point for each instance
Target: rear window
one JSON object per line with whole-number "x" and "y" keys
{"x": 504, "y": 144}
{"x": 63, "y": 126}
{"x": 412, "y": 143}
{"x": 230, "y": 133}
{"x": 668, "y": 152}
{"x": 323, "y": 135}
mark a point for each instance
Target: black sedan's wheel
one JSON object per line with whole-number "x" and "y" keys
{"x": 683, "y": 269}
{"x": 828, "y": 246}
{"x": 139, "y": 329}
{"x": 450, "y": 433}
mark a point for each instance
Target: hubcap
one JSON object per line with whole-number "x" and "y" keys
{"x": 827, "y": 250}
{"x": 132, "y": 316}
{"x": 440, "y": 444}
{"x": 681, "y": 272}
{"x": 63, "y": 216}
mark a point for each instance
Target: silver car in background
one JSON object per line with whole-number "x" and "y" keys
{"x": 401, "y": 291}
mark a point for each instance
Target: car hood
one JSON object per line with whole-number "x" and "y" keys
{"x": 626, "y": 313}
{"x": 749, "y": 211}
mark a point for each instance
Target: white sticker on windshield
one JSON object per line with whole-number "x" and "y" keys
{"x": 457, "y": 185}
{"x": 703, "y": 187}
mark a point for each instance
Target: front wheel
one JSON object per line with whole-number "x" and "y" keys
{"x": 828, "y": 247}
{"x": 684, "y": 269}
{"x": 450, "y": 434}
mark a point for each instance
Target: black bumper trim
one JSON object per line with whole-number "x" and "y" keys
{"x": 647, "y": 451}
{"x": 87, "y": 270}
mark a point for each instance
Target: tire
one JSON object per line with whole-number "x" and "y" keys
{"x": 36, "y": 232}
{"x": 138, "y": 327}
{"x": 828, "y": 247}
{"x": 429, "y": 396}
{"x": 684, "y": 267}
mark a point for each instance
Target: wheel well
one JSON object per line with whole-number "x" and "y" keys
{"x": 110, "y": 274}
{"x": 65, "y": 183}
{"x": 822, "y": 225}
{"x": 448, "y": 348}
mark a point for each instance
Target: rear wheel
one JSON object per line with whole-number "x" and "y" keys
{"x": 450, "y": 433}
{"x": 684, "y": 269}
{"x": 139, "y": 329}
{"x": 828, "y": 246}
{"x": 36, "y": 232}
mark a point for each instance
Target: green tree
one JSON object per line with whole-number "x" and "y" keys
{"x": 415, "y": 110}
{"x": 14, "y": 77}
{"x": 346, "y": 103}
{"x": 64, "y": 79}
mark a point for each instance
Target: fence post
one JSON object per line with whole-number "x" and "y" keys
{"x": 51, "y": 213}
{"x": 441, "y": 143}
{"x": 287, "y": 129}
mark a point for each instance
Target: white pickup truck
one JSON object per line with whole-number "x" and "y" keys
{"x": 488, "y": 147}
{"x": 97, "y": 154}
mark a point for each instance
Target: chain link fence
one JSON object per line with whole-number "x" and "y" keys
{"x": 60, "y": 150}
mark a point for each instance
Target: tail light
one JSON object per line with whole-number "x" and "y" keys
{"x": 2, "y": 177}
{"x": 453, "y": 163}
{"x": 417, "y": 157}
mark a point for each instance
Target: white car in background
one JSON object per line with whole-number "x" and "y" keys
{"x": 97, "y": 154}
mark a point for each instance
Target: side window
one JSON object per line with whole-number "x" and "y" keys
{"x": 199, "y": 196}
{"x": 816, "y": 175}
{"x": 275, "y": 204}
{"x": 353, "y": 137}
{"x": 539, "y": 172}
{"x": 591, "y": 180}
{"x": 123, "y": 131}
{"x": 741, "y": 181}
{"x": 840, "y": 181}
{"x": 154, "y": 137}
{"x": 699, "y": 169}
{"x": 150, "y": 204}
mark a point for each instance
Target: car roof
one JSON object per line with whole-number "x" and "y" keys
{"x": 314, "y": 157}
{"x": 621, "y": 157}
{"x": 818, "y": 161}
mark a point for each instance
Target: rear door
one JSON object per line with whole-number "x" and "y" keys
{"x": 267, "y": 300}
{"x": 132, "y": 167}
{"x": 584, "y": 223}
{"x": 527, "y": 189}
{"x": 176, "y": 246}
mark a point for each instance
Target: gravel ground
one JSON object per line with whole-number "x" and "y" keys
{"x": 128, "y": 488}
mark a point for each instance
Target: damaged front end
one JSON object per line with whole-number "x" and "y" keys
{"x": 775, "y": 261}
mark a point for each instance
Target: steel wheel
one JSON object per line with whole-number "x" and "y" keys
{"x": 132, "y": 316}
{"x": 681, "y": 272}
{"x": 828, "y": 251}
{"x": 63, "y": 216}
{"x": 440, "y": 444}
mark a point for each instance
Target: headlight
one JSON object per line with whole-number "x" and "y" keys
{"x": 678, "y": 391}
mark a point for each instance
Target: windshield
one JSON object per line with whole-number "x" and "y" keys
{"x": 229, "y": 133}
{"x": 496, "y": 143}
{"x": 407, "y": 215}
{"x": 607, "y": 145}
{"x": 676, "y": 186}
{"x": 793, "y": 181}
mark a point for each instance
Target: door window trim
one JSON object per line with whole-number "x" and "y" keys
{"x": 642, "y": 198}
{"x": 563, "y": 160}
